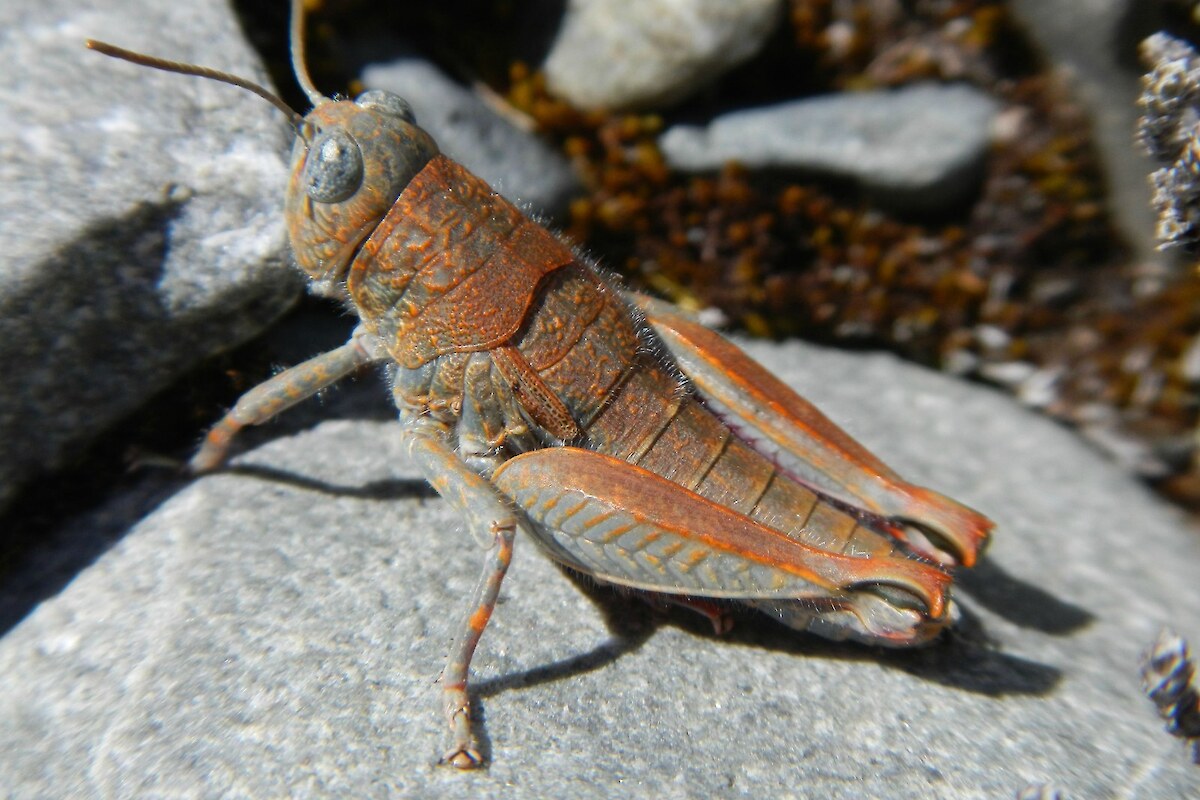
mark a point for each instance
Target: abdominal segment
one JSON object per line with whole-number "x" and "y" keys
{"x": 632, "y": 403}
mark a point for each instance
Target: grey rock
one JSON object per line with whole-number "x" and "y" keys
{"x": 619, "y": 55}
{"x": 1089, "y": 41}
{"x": 277, "y": 630}
{"x": 920, "y": 146}
{"x": 516, "y": 163}
{"x": 139, "y": 216}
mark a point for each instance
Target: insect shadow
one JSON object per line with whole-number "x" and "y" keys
{"x": 392, "y": 489}
{"x": 1021, "y": 603}
{"x": 630, "y": 623}
{"x": 964, "y": 658}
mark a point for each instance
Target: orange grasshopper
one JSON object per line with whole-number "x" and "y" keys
{"x": 632, "y": 444}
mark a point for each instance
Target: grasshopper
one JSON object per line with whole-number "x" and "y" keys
{"x": 632, "y": 444}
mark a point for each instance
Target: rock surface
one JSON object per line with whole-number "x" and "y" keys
{"x": 618, "y": 55}
{"x": 139, "y": 216}
{"x": 277, "y": 630}
{"x": 516, "y": 163}
{"x": 920, "y": 145}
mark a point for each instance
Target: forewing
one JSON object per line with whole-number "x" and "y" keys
{"x": 626, "y": 525}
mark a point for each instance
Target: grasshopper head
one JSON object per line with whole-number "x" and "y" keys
{"x": 352, "y": 159}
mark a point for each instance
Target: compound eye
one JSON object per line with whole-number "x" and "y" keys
{"x": 387, "y": 103}
{"x": 334, "y": 169}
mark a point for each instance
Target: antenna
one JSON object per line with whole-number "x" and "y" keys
{"x": 201, "y": 72}
{"x": 298, "y": 65}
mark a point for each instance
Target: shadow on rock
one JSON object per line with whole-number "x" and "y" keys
{"x": 600, "y": 656}
{"x": 392, "y": 489}
{"x": 42, "y": 553}
{"x": 1023, "y": 604}
{"x": 630, "y": 622}
{"x": 604, "y": 654}
{"x": 960, "y": 660}
{"x": 963, "y": 658}
{"x": 59, "y": 548}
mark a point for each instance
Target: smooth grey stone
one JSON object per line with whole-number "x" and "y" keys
{"x": 514, "y": 162}
{"x": 278, "y": 629}
{"x": 618, "y": 55}
{"x": 140, "y": 216}
{"x": 921, "y": 146}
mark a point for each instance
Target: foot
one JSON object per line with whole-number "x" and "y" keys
{"x": 462, "y": 758}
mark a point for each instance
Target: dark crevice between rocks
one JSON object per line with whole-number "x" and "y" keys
{"x": 493, "y": 35}
{"x": 102, "y": 293}
{"x": 93, "y": 290}
{"x": 103, "y": 301}
{"x": 64, "y": 521}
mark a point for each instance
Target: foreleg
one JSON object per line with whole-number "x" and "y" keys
{"x": 282, "y": 392}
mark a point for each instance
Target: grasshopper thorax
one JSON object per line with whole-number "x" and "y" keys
{"x": 351, "y": 160}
